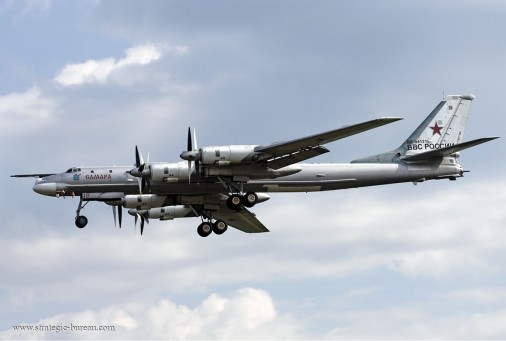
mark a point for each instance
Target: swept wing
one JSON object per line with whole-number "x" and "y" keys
{"x": 39, "y": 175}
{"x": 282, "y": 154}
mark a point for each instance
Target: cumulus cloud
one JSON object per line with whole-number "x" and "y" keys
{"x": 17, "y": 109}
{"x": 246, "y": 313}
{"x": 29, "y": 104}
{"x": 251, "y": 313}
{"x": 99, "y": 71}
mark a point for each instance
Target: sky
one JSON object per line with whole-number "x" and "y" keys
{"x": 83, "y": 82}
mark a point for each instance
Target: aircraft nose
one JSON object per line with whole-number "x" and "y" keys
{"x": 47, "y": 188}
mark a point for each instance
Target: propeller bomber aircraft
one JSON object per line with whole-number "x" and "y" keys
{"x": 220, "y": 183}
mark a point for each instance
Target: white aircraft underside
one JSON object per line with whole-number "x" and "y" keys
{"x": 220, "y": 183}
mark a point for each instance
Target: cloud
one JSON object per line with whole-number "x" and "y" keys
{"x": 252, "y": 313}
{"x": 16, "y": 109}
{"x": 416, "y": 321}
{"x": 100, "y": 71}
{"x": 28, "y": 104}
{"x": 25, "y": 9}
{"x": 247, "y": 313}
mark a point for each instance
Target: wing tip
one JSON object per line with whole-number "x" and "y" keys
{"x": 390, "y": 119}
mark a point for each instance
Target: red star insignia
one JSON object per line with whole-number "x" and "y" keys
{"x": 436, "y": 129}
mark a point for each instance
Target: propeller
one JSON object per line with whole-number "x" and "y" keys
{"x": 144, "y": 218}
{"x": 191, "y": 153}
{"x": 120, "y": 214}
{"x": 141, "y": 171}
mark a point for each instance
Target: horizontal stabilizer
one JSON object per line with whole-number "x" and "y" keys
{"x": 442, "y": 152}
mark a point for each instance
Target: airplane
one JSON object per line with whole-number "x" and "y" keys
{"x": 220, "y": 184}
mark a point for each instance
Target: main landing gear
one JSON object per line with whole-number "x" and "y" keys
{"x": 206, "y": 228}
{"x": 81, "y": 221}
{"x": 235, "y": 201}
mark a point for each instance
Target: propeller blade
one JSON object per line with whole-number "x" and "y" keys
{"x": 139, "y": 181}
{"x": 189, "y": 146}
{"x": 195, "y": 139}
{"x": 143, "y": 176}
{"x": 148, "y": 183}
{"x": 197, "y": 162}
{"x": 189, "y": 171}
{"x": 197, "y": 168}
{"x": 138, "y": 158}
{"x": 144, "y": 219}
{"x": 114, "y": 214}
{"x": 120, "y": 214}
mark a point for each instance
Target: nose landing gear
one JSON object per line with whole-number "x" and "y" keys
{"x": 81, "y": 221}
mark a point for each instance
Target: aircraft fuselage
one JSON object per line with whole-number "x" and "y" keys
{"x": 310, "y": 178}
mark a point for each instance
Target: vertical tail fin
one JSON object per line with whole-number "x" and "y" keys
{"x": 444, "y": 127}
{"x": 440, "y": 134}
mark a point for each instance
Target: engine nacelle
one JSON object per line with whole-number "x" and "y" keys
{"x": 166, "y": 212}
{"x": 228, "y": 155}
{"x": 169, "y": 172}
{"x": 144, "y": 201}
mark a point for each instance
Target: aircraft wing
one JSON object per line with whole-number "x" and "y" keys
{"x": 31, "y": 175}
{"x": 243, "y": 220}
{"x": 286, "y": 153}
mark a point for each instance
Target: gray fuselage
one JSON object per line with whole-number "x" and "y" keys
{"x": 310, "y": 178}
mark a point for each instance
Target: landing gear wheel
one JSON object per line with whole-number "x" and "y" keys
{"x": 250, "y": 199}
{"x": 219, "y": 227}
{"x": 81, "y": 221}
{"x": 234, "y": 202}
{"x": 205, "y": 229}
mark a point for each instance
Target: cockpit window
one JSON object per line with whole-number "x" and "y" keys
{"x": 69, "y": 170}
